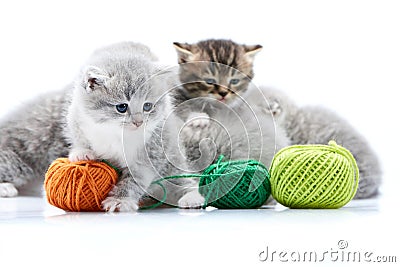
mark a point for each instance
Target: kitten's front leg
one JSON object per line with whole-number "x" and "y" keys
{"x": 14, "y": 173}
{"x": 191, "y": 200}
{"x": 183, "y": 193}
{"x": 80, "y": 145}
{"x": 79, "y": 154}
{"x": 125, "y": 195}
{"x": 196, "y": 123}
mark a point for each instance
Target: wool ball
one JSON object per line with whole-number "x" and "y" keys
{"x": 314, "y": 176}
{"x": 79, "y": 186}
{"x": 241, "y": 184}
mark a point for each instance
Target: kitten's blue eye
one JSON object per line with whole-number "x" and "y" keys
{"x": 122, "y": 108}
{"x": 147, "y": 106}
{"x": 210, "y": 81}
{"x": 234, "y": 81}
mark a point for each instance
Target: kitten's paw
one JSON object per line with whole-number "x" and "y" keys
{"x": 8, "y": 190}
{"x": 192, "y": 200}
{"x": 81, "y": 154}
{"x": 198, "y": 120}
{"x": 113, "y": 204}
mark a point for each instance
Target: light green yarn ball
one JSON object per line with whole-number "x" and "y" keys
{"x": 314, "y": 176}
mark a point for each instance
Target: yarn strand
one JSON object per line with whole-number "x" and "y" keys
{"x": 228, "y": 184}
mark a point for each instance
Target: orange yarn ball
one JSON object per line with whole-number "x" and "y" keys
{"x": 79, "y": 186}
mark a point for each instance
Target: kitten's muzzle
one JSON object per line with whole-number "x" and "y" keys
{"x": 137, "y": 119}
{"x": 137, "y": 123}
{"x": 222, "y": 90}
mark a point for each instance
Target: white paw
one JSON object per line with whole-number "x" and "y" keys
{"x": 8, "y": 190}
{"x": 198, "y": 120}
{"x": 78, "y": 154}
{"x": 113, "y": 204}
{"x": 192, "y": 200}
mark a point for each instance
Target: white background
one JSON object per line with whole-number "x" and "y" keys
{"x": 344, "y": 55}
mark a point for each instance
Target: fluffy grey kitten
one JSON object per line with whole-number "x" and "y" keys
{"x": 317, "y": 125}
{"x": 121, "y": 112}
{"x": 31, "y": 137}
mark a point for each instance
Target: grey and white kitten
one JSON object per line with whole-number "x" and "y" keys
{"x": 121, "y": 112}
{"x": 318, "y": 125}
{"x": 31, "y": 137}
{"x": 215, "y": 75}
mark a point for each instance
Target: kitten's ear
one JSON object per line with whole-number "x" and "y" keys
{"x": 185, "y": 52}
{"x": 94, "y": 78}
{"x": 251, "y": 51}
{"x": 275, "y": 108}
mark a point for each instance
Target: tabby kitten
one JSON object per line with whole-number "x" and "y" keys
{"x": 231, "y": 74}
{"x": 213, "y": 69}
{"x": 214, "y": 76}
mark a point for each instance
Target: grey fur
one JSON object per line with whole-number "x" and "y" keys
{"x": 240, "y": 130}
{"x": 34, "y": 135}
{"x": 142, "y": 144}
{"x": 317, "y": 125}
{"x": 30, "y": 139}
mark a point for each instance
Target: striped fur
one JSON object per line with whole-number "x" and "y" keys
{"x": 222, "y": 61}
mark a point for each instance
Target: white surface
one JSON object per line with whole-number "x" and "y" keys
{"x": 341, "y": 54}
{"x": 34, "y": 233}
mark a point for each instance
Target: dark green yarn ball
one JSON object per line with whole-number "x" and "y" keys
{"x": 240, "y": 184}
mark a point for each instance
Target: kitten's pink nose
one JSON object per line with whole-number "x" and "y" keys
{"x": 137, "y": 119}
{"x": 137, "y": 123}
